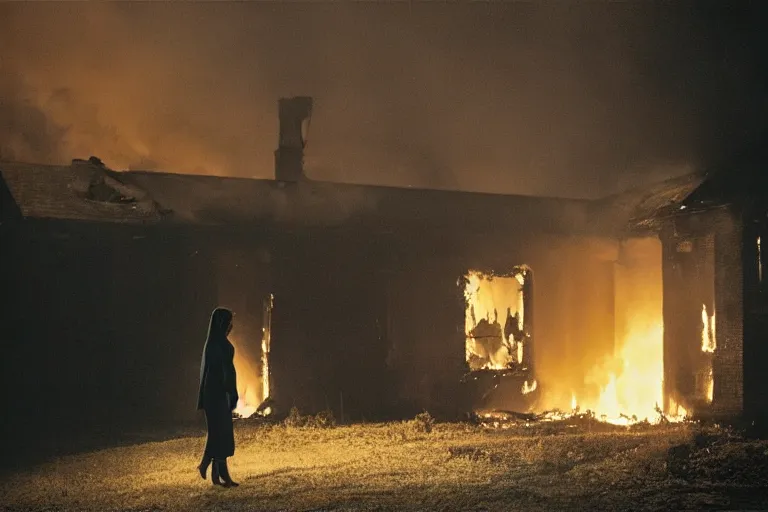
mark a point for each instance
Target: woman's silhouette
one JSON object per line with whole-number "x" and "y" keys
{"x": 218, "y": 397}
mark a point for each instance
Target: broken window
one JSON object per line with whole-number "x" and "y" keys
{"x": 496, "y": 336}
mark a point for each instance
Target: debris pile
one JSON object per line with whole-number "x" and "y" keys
{"x": 506, "y": 419}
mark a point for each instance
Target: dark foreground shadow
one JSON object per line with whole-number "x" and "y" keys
{"x": 27, "y": 446}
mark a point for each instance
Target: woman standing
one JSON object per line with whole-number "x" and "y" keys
{"x": 218, "y": 397}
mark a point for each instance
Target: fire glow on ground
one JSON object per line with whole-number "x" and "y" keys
{"x": 397, "y": 466}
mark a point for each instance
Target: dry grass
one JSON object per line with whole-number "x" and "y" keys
{"x": 399, "y": 467}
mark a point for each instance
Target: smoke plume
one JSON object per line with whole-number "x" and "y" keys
{"x": 567, "y": 99}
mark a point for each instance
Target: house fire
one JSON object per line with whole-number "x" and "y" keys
{"x": 377, "y": 302}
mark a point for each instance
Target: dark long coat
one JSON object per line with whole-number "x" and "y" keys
{"x": 218, "y": 390}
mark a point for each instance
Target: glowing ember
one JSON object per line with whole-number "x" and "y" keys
{"x": 710, "y": 386}
{"x": 505, "y": 419}
{"x": 243, "y": 409}
{"x": 248, "y": 403}
{"x": 529, "y": 388}
{"x": 676, "y": 410}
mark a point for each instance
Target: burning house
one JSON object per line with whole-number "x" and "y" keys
{"x": 375, "y": 302}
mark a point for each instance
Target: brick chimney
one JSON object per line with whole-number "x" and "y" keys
{"x": 289, "y": 157}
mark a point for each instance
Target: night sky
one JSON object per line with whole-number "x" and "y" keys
{"x": 575, "y": 99}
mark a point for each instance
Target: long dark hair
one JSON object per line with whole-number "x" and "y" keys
{"x": 216, "y": 346}
{"x": 218, "y": 328}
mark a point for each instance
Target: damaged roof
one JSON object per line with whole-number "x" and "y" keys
{"x": 59, "y": 192}
{"x": 641, "y": 209}
{"x": 89, "y": 191}
{"x": 86, "y": 190}
{"x": 740, "y": 180}
{"x": 743, "y": 182}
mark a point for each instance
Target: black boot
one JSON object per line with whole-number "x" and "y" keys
{"x": 215, "y": 477}
{"x": 203, "y": 466}
{"x": 224, "y": 473}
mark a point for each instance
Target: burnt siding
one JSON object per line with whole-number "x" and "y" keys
{"x": 426, "y": 354}
{"x": 103, "y": 332}
{"x": 688, "y": 277}
{"x": 328, "y": 348}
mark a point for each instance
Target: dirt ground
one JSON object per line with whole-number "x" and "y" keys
{"x": 399, "y": 466}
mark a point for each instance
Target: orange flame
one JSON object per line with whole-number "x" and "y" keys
{"x": 488, "y": 301}
{"x": 708, "y": 340}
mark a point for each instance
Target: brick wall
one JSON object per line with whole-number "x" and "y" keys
{"x": 755, "y": 316}
{"x": 703, "y": 266}
{"x": 729, "y": 303}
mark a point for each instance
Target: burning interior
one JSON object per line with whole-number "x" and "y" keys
{"x": 600, "y": 336}
{"x": 495, "y": 327}
{"x": 242, "y": 283}
{"x": 599, "y": 348}
{"x": 252, "y": 367}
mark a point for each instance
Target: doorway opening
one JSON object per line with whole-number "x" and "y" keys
{"x": 252, "y": 366}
